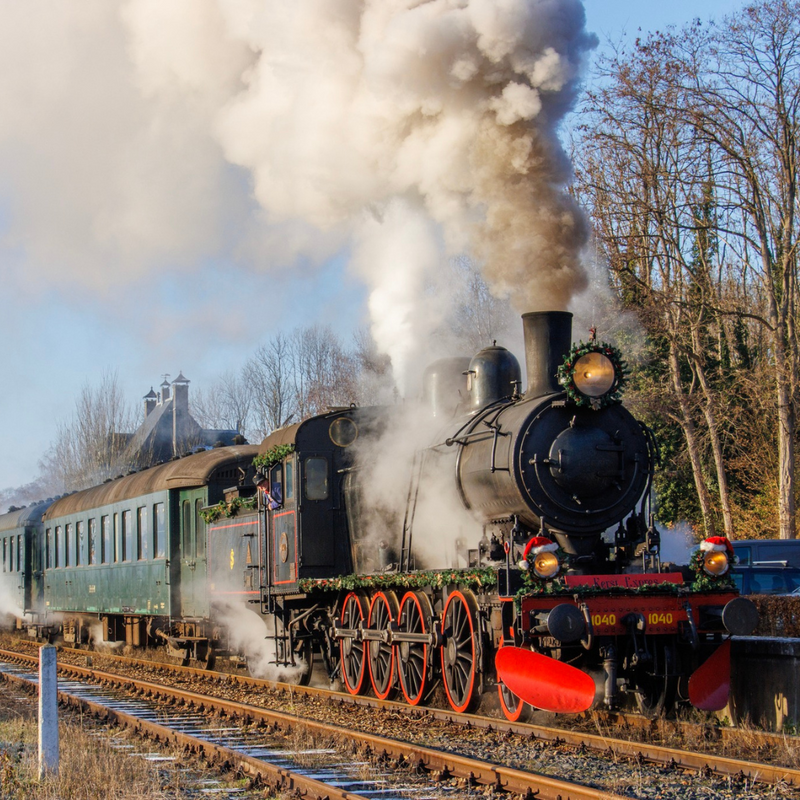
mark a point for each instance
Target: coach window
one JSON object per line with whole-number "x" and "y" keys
{"x": 117, "y": 540}
{"x": 160, "y": 530}
{"x": 92, "y": 541}
{"x": 142, "y": 548}
{"x": 19, "y": 553}
{"x": 200, "y": 529}
{"x": 289, "y": 478}
{"x": 59, "y": 546}
{"x": 316, "y": 478}
{"x": 79, "y": 543}
{"x": 127, "y": 535}
{"x": 69, "y": 546}
{"x": 186, "y": 519}
{"x": 5, "y": 553}
{"x": 48, "y": 544}
{"x": 106, "y": 542}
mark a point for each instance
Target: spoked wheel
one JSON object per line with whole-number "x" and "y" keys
{"x": 514, "y": 709}
{"x": 382, "y": 612}
{"x": 459, "y": 651}
{"x": 656, "y": 683}
{"x": 412, "y": 657}
{"x": 351, "y": 651}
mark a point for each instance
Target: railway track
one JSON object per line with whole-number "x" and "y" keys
{"x": 431, "y": 759}
{"x": 703, "y": 747}
{"x": 241, "y": 743}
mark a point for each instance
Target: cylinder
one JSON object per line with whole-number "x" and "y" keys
{"x": 548, "y": 338}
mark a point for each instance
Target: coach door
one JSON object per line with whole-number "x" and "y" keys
{"x": 193, "y": 545}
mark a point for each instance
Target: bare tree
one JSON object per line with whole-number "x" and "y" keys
{"x": 324, "y": 373}
{"x": 689, "y": 164}
{"x": 89, "y": 448}
{"x": 478, "y": 317}
{"x": 742, "y": 85}
{"x": 640, "y": 170}
{"x": 268, "y": 375}
{"x": 225, "y": 404}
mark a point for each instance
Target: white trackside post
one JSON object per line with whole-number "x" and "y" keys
{"x": 48, "y": 711}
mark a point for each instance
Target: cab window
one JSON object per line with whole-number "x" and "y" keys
{"x": 276, "y": 486}
{"x": 289, "y": 479}
{"x": 316, "y": 470}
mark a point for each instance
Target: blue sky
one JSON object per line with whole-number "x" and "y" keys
{"x": 612, "y": 18}
{"x": 201, "y": 313}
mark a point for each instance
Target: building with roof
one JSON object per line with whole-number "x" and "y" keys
{"x": 169, "y": 430}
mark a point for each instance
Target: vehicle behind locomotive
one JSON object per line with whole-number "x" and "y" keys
{"x": 541, "y": 578}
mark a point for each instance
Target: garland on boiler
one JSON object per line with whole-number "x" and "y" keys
{"x": 566, "y": 374}
{"x": 474, "y": 579}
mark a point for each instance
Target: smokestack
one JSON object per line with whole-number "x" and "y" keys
{"x": 548, "y": 338}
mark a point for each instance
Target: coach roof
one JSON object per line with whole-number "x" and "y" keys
{"x": 183, "y": 473}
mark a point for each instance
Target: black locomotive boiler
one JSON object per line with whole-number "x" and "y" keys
{"x": 558, "y": 600}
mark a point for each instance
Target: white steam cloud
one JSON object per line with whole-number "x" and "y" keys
{"x": 144, "y": 134}
{"x": 251, "y": 635}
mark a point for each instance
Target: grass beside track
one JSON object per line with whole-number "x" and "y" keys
{"x": 90, "y": 767}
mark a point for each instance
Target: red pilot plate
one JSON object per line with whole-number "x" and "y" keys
{"x": 710, "y": 683}
{"x": 544, "y": 682}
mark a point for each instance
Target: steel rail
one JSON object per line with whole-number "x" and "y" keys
{"x": 278, "y": 778}
{"x": 551, "y": 733}
{"x": 446, "y": 765}
{"x": 720, "y": 765}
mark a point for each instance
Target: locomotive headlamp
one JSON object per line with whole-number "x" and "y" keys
{"x": 716, "y": 554}
{"x": 715, "y": 563}
{"x": 546, "y": 565}
{"x": 540, "y": 556}
{"x": 594, "y": 374}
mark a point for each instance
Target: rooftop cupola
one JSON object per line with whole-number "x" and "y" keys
{"x": 180, "y": 390}
{"x": 150, "y": 400}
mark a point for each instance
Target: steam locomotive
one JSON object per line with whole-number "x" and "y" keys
{"x": 489, "y": 541}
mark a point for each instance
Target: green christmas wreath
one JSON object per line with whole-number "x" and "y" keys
{"x": 263, "y": 461}
{"x": 703, "y": 582}
{"x": 566, "y": 374}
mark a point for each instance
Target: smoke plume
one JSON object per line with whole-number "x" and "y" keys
{"x": 144, "y": 134}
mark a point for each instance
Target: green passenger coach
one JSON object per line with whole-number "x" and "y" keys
{"x": 126, "y": 561}
{"x": 21, "y": 578}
